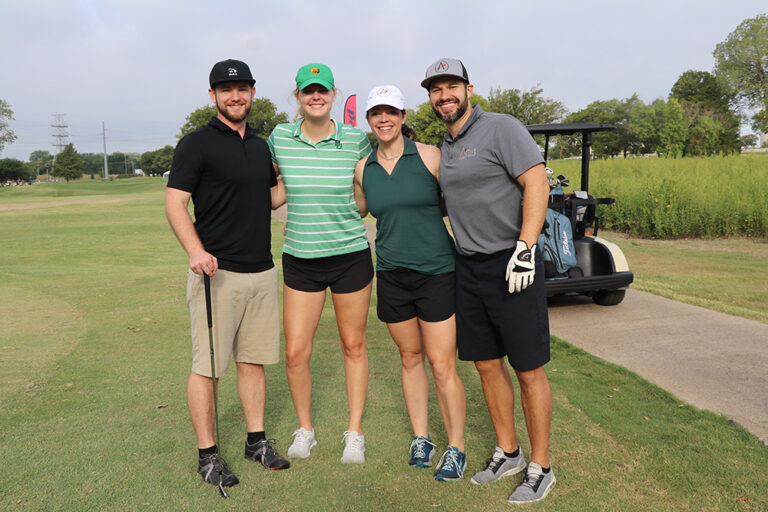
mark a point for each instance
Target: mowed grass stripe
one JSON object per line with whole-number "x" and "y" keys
{"x": 88, "y": 435}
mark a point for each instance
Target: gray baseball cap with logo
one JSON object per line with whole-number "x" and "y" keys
{"x": 445, "y": 67}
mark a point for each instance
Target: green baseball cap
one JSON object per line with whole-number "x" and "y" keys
{"x": 314, "y": 74}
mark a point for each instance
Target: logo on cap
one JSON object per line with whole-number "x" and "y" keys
{"x": 315, "y": 71}
{"x": 383, "y": 92}
{"x": 232, "y": 71}
{"x": 441, "y": 66}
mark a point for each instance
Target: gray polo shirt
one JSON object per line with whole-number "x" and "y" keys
{"x": 478, "y": 171}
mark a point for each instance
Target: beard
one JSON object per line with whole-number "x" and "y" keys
{"x": 232, "y": 118}
{"x": 461, "y": 109}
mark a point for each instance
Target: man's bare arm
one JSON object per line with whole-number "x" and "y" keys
{"x": 535, "y": 202}
{"x": 176, "y": 203}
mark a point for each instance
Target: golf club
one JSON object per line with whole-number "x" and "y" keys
{"x": 207, "y": 282}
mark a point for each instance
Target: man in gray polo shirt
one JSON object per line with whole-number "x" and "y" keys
{"x": 496, "y": 191}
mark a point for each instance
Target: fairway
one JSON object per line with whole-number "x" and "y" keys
{"x": 95, "y": 352}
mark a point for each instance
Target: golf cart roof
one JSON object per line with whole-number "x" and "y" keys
{"x": 585, "y": 129}
{"x": 567, "y": 128}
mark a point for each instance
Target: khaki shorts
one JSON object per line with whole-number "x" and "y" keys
{"x": 246, "y": 319}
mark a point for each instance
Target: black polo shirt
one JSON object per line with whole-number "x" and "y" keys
{"x": 229, "y": 178}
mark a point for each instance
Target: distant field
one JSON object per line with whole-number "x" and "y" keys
{"x": 676, "y": 198}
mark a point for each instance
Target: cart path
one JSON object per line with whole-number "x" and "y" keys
{"x": 708, "y": 359}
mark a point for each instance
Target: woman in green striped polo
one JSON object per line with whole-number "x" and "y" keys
{"x": 325, "y": 246}
{"x": 398, "y": 183}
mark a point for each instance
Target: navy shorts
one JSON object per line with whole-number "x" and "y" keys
{"x": 493, "y": 323}
{"x": 343, "y": 273}
{"x": 404, "y": 294}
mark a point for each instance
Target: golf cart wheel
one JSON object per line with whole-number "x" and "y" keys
{"x": 608, "y": 297}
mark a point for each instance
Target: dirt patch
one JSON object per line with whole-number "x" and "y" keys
{"x": 53, "y": 204}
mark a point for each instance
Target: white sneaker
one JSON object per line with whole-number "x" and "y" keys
{"x": 303, "y": 441}
{"x": 354, "y": 448}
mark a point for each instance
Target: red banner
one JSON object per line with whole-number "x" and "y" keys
{"x": 350, "y": 110}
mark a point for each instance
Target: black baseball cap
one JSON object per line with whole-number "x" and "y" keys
{"x": 230, "y": 70}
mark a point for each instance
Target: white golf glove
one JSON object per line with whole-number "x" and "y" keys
{"x": 521, "y": 267}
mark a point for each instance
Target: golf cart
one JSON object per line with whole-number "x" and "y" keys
{"x": 601, "y": 270}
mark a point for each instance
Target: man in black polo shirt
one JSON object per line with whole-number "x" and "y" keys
{"x": 225, "y": 168}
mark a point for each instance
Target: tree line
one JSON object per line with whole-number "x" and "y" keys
{"x": 702, "y": 115}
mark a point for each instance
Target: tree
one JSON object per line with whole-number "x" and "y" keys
{"x": 428, "y": 128}
{"x": 704, "y": 136}
{"x": 263, "y": 117}
{"x": 6, "y": 134}
{"x": 158, "y": 161}
{"x": 749, "y": 140}
{"x": 704, "y": 88}
{"x": 703, "y": 95}
{"x": 41, "y": 160}
{"x": 742, "y": 62}
{"x": 68, "y": 165}
{"x": 617, "y": 113}
{"x": 529, "y": 107}
{"x": 13, "y": 169}
{"x": 93, "y": 163}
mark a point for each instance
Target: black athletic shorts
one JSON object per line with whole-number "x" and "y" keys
{"x": 404, "y": 294}
{"x": 344, "y": 273}
{"x": 493, "y": 323}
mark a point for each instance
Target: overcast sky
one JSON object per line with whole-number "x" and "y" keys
{"x": 141, "y": 66}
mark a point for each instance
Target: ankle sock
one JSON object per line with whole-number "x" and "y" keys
{"x": 255, "y": 437}
{"x": 513, "y": 454}
{"x": 206, "y": 451}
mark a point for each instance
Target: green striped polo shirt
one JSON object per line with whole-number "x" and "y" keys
{"x": 323, "y": 218}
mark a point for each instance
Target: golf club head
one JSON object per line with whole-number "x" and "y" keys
{"x": 550, "y": 180}
{"x": 565, "y": 183}
{"x": 221, "y": 489}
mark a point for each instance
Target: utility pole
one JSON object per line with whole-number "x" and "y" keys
{"x": 125, "y": 163}
{"x": 104, "y": 140}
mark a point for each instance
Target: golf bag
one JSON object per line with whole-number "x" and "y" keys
{"x": 556, "y": 241}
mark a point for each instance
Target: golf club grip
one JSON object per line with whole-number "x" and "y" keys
{"x": 207, "y": 283}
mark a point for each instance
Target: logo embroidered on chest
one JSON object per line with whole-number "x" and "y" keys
{"x": 467, "y": 153}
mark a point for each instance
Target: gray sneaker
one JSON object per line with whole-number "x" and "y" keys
{"x": 303, "y": 441}
{"x": 499, "y": 466}
{"x": 536, "y": 485}
{"x": 354, "y": 448}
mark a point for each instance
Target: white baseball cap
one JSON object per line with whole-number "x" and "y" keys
{"x": 385, "y": 95}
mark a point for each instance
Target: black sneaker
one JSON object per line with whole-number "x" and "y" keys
{"x": 264, "y": 452}
{"x": 208, "y": 467}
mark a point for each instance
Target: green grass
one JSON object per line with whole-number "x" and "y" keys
{"x": 727, "y": 275}
{"x": 94, "y": 336}
{"x": 676, "y": 198}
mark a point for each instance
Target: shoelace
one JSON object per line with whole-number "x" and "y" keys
{"x": 419, "y": 447}
{"x": 495, "y": 462}
{"x": 353, "y": 440}
{"x": 451, "y": 459}
{"x": 269, "y": 447}
{"x": 531, "y": 479}
{"x": 214, "y": 459}
{"x": 302, "y": 436}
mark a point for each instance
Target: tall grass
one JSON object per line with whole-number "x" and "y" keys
{"x": 716, "y": 196}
